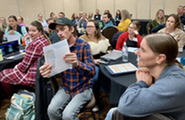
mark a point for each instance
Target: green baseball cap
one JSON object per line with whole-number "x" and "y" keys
{"x": 61, "y": 21}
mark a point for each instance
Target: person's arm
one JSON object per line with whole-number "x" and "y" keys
{"x": 86, "y": 66}
{"x": 157, "y": 28}
{"x": 6, "y": 31}
{"x": 181, "y": 39}
{"x": 31, "y": 55}
{"x": 23, "y": 30}
{"x": 140, "y": 99}
{"x": 139, "y": 39}
{"x": 154, "y": 23}
{"x": 122, "y": 38}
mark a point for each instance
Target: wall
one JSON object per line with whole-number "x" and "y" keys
{"x": 140, "y": 9}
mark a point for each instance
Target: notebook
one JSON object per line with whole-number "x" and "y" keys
{"x": 10, "y": 50}
{"x": 115, "y": 54}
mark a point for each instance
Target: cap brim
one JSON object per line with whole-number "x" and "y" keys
{"x": 52, "y": 26}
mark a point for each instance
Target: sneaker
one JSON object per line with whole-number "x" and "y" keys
{"x": 95, "y": 109}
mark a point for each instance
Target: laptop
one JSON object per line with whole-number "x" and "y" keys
{"x": 10, "y": 50}
{"x": 10, "y": 38}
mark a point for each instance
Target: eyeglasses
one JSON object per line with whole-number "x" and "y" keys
{"x": 90, "y": 26}
{"x": 131, "y": 27}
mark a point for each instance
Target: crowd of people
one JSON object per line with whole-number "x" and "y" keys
{"x": 159, "y": 79}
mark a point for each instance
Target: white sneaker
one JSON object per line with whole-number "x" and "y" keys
{"x": 95, "y": 109}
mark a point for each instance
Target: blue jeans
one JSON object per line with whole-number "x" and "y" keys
{"x": 95, "y": 78}
{"x": 64, "y": 107}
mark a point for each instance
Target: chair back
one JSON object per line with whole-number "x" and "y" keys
{"x": 115, "y": 38}
{"x": 149, "y": 28}
{"x": 109, "y": 32}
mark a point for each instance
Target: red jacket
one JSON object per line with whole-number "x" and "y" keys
{"x": 123, "y": 37}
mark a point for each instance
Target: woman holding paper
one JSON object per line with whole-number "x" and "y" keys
{"x": 132, "y": 37}
{"x": 24, "y": 73}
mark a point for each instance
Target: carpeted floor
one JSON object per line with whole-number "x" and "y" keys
{"x": 104, "y": 106}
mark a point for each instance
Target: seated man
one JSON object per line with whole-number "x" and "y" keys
{"x": 180, "y": 14}
{"x": 107, "y": 20}
{"x": 159, "y": 90}
{"x": 76, "y": 87}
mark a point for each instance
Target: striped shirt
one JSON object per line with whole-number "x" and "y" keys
{"x": 78, "y": 79}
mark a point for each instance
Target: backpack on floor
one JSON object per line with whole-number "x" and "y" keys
{"x": 22, "y": 106}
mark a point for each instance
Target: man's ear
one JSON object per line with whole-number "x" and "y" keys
{"x": 72, "y": 29}
{"x": 161, "y": 58}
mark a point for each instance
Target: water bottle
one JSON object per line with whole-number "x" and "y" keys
{"x": 125, "y": 53}
{"x": 1, "y": 55}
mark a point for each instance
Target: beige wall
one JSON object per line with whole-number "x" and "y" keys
{"x": 140, "y": 9}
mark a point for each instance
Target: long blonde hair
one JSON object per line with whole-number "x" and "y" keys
{"x": 160, "y": 20}
{"x": 125, "y": 15}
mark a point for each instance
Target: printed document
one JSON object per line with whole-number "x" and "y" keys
{"x": 54, "y": 54}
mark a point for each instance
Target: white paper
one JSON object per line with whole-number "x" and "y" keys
{"x": 133, "y": 49}
{"x": 180, "y": 49}
{"x": 12, "y": 37}
{"x": 54, "y": 54}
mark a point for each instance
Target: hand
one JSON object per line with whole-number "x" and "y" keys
{"x": 96, "y": 61}
{"x": 11, "y": 32}
{"x": 45, "y": 70}
{"x": 136, "y": 32}
{"x": 144, "y": 75}
{"x": 71, "y": 58}
{"x": 27, "y": 37}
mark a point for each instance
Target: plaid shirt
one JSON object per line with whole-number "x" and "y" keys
{"x": 24, "y": 73}
{"x": 78, "y": 79}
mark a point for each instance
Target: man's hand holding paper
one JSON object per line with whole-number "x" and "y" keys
{"x": 56, "y": 54}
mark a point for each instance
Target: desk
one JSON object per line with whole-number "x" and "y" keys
{"x": 116, "y": 85}
{"x": 10, "y": 63}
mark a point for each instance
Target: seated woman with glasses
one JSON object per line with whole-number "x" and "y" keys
{"x": 23, "y": 75}
{"x": 159, "y": 90}
{"x": 98, "y": 43}
{"x": 132, "y": 37}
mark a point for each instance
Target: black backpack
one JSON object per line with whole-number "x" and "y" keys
{"x": 44, "y": 92}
